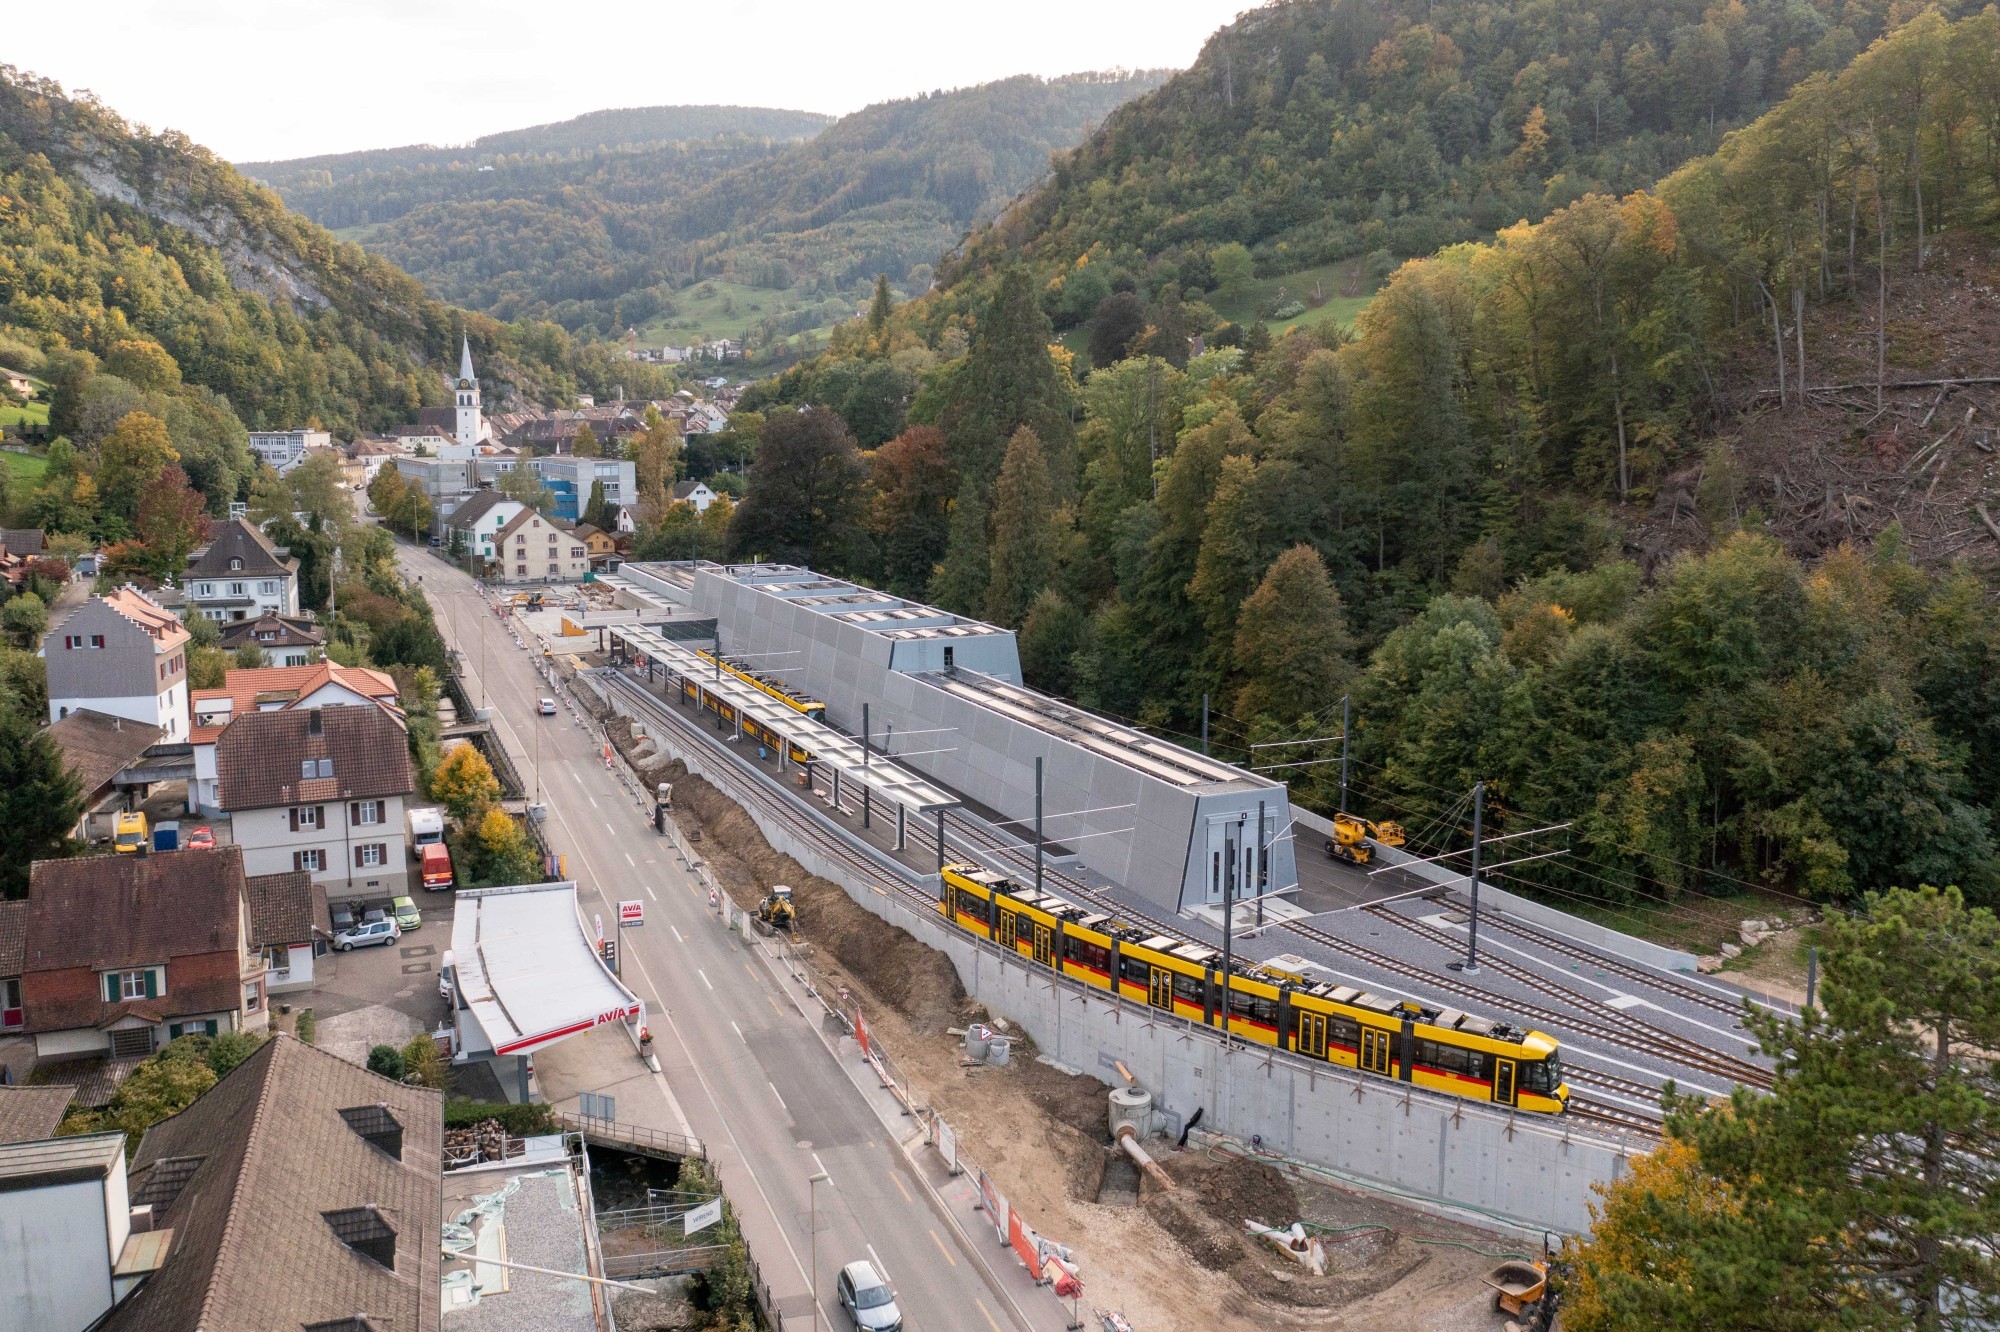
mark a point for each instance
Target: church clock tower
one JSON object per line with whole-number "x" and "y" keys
{"x": 466, "y": 388}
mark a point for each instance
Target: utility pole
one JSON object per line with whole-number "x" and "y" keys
{"x": 1204, "y": 725}
{"x": 864, "y": 765}
{"x": 1263, "y": 866}
{"x": 1038, "y": 823}
{"x": 940, "y": 841}
{"x": 1346, "y": 725}
{"x": 1233, "y": 851}
{"x": 1471, "y": 966}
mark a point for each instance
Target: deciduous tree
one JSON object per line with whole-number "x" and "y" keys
{"x": 464, "y": 783}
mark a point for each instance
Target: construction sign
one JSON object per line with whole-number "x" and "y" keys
{"x": 996, "y": 1206}
{"x": 1022, "y": 1240}
{"x": 861, "y": 1033}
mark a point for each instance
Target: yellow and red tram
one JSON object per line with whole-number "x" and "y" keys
{"x": 1443, "y": 1050}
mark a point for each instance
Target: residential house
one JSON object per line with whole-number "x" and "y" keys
{"x": 320, "y": 790}
{"x": 598, "y": 544}
{"x": 23, "y": 543}
{"x": 285, "y": 640}
{"x": 124, "y": 654}
{"x": 532, "y": 548}
{"x": 290, "y": 925}
{"x": 241, "y": 575}
{"x": 274, "y": 689}
{"x": 18, "y": 383}
{"x": 480, "y": 519}
{"x": 97, "y": 746}
{"x": 300, "y": 1192}
{"x": 124, "y": 953}
{"x": 696, "y": 493}
{"x": 13, "y": 961}
{"x": 286, "y": 449}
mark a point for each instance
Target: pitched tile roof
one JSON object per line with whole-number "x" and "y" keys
{"x": 165, "y": 627}
{"x": 28, "y": 1114}
{"x": 238, "y": 538}
{"x": 258, "y": 758}
{"x": 286, "y": 631}
{"x": 13, "y": 937}
{"x": 21, "y": 540}
{"x": 524, "y": 518}
{"x": 246, "y": 687}
{"x": 96, "y": 745}
{"x": 286, "y": 908}
{"x": 100, "y": 912}
{"x": 476, "y": 507}
{"x": 247, "y": 1176}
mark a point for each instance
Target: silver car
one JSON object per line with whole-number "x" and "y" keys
{"x": 868, "y": 1299}
{"x": 366, "y": 934}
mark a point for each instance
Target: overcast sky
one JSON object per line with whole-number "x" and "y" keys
{"x": 257, "y": 79}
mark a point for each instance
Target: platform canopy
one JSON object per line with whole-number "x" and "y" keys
{"x": 529, "y": 972}
{"x": 887, "y": 779}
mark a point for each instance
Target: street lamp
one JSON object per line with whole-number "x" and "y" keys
{"x": 812, "y": 1187}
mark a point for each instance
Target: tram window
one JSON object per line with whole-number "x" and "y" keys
{"x": 1134, "y": 969}
{"x": 1187, "y": 989}
{"x": 1343, "y": 1031}
{"x": 1543, "y": 1075}
{"x": 1087, "y": 953}
{"x": 1253, "y": 1008}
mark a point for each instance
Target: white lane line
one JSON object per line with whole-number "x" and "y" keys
{"x": 608, "y": 828}
{"x": 781, "y": 1100}
{"x": 704, "y": 978}
{"x": 650, "y": 893}
{"x": 739, "y": 1031}
{"x": 677, "y": 933}
{"x": 822, "y": 1165}
{"x": 592, "y": 799}
{"x": 880, "y": 1266}
{"x": 628, "y": 860}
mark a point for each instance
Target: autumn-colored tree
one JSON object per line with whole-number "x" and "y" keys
{"x": 130, "y": 460}
{"x": 172, "y": 522}
{"x": 912, "y": 483}
{"x": 143, "y": 362}
{"x": 583, "y": 444}
{"x": 464, "y": 783}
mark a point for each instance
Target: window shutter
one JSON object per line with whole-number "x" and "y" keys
{"x": 211, "y": 1026}
{"x": 319, "y": 815}
{"x": 152, "y": 983}
{"x": 357, "y": 857}
{"x": 354, "y": 813}
{"x": 110, "y": 987}
{"x": 295, "y": 823}
{"x": 298, "y": 859}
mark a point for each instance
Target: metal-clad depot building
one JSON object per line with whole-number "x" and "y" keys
{"x": 945, "y": 699}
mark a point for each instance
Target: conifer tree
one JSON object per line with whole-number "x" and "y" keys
{"x": 1009, "y": 381}
{"x": 960, "y": 582}
{"x": 40, "y": 801}
{"x": 878, "y": 309}
{"x": 1292, "y": 641}
{"x": 1024, "y": 540}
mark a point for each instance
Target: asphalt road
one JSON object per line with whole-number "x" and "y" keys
{"x": 748, "y": 1073}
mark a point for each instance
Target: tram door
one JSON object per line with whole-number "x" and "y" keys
{"x": 1044, "y": 945}
{"x": 1008, "y": 928}
{"x": 1312, "y": 1035}
{"x": 1374, "y": 1050}
{"x": 1503, "y": 1081}
{"x": 1161, "y": 995}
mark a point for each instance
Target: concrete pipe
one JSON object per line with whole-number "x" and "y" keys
{"x": 1128, "y": 1139}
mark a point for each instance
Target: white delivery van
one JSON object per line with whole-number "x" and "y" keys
{"x": 426, "y": 828}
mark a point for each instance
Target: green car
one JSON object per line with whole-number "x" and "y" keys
{"x": 407, "y": 916}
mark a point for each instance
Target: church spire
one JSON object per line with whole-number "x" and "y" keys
{"x": 465, "y": 375}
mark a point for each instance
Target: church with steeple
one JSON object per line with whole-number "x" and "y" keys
{"x": 464, "y": 422}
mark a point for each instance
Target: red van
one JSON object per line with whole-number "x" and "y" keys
{"x": 436, "y": 865}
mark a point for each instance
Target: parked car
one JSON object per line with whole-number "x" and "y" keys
{"x": 367, "y": 933}
{"x": 407, "y": 916}
{"x": 201, "y": 839}
{"x": 547, "y": 707}
{"x": 374, "y": 913}
{"x": 131, "y": 832}
{"x": 868, "y": 1299}
{"x": 343, "y": 916}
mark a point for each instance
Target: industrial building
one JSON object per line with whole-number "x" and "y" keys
{"x": 944, "y": 699}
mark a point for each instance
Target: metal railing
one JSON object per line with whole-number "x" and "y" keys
{"x": 633, "y": 1137}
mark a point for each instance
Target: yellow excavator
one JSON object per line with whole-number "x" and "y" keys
{"x": 1353, "y": 835}
{"x": 776, "y": 910}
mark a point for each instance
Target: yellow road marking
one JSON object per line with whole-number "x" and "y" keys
{"x": 953, "y": 1261}
{"x": 900, "y": 1189}
{"x": 977, "y": 1304}
{"x": 774, "y": 1006}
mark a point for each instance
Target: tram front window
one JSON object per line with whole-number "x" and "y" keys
{"x": 1544, "y": 1075}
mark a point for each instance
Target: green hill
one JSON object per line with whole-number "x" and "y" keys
{"x": 111, "y": 234}
{"x": 615, "y": 237}
{"x": 1320, "y": 131}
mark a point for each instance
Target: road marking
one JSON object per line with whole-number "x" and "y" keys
{"x": 822, "y": 1167}
{"x": 628, "y": 860}
{"x": 592, "y": 799}
{"x": 753, "y": 974}
{"x": 900, "y": 1189}
{"x": 954, "y": 1262}
{"x": 977, "y": 1304}
{"x": 774, "y": 1006}
{"x": 608, "y": 828}
{"x": 650, "y": 893}
{"x": 739, "y": 1031}
{"x": 704, "y": 978}
{"x": 880, "y": 1266}
{"x": 781, "y": 1100}
{"x": 677, "y": 933}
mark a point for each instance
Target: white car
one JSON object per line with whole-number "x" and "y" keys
{"x": 547, "y": 707}
{"x": 367, "y": 933}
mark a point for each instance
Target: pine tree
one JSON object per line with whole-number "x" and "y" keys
{"x": 1009, "y": 381}
{"x": 878, "y": 309}
{"x": 598, "y": 512}
{"x": 40, "y": 801}
{"x": 1292, "y": 642}
{"x": 960, "y": 582}
{"x": 652, "y": 462}
{"x": 1024, "y": 538}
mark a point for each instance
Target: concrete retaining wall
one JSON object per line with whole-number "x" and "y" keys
{"x": 1520, "y": 1172}
{"x": 1491, "y": 898}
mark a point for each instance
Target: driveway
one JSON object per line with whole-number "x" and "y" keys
{"x": 381, "y": 995}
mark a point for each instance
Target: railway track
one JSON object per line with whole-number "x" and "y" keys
{"x": 1619, "y": 1028}
{"x": 1635, "y": 1121}
{"x": 1554, "y": 943}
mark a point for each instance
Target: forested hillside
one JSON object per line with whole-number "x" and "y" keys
{"x": 610, "y": 238}
{"x": 110, "y": 235}
{"x": 1314, "y": 131}
{"x": 1547, "y": 518}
